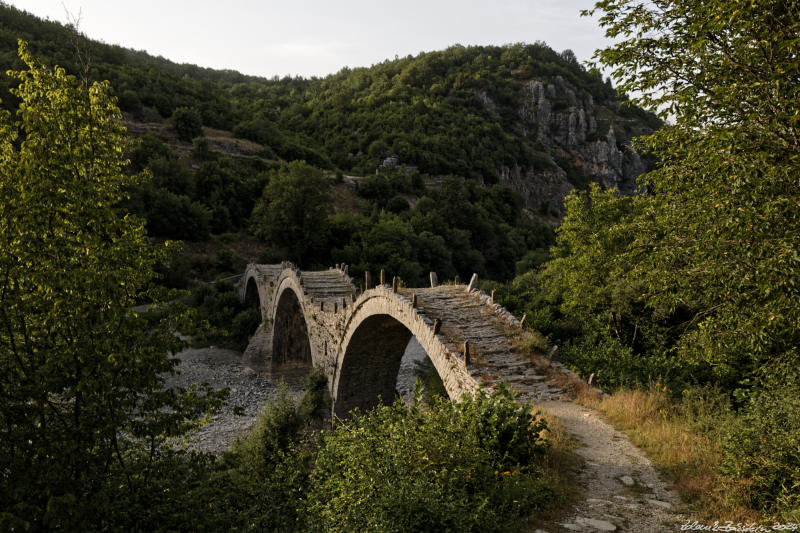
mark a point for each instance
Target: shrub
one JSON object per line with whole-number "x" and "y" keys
{"x": 765, "y": 447}
{"x": 429, "y": 380}
{"x": 187, "y": 123}
{"x": 397, "y": 204}
{"x": 468, "y": 466}
{"x": 269, "y": 469}
{"x": 616, "y": 365}
{"x": 244, "y": 324}
{"x": 231, "y": 320}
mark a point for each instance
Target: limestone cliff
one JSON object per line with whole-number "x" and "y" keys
{"x": 585, "y": 142}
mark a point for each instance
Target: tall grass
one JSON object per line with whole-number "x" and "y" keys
{"x": 683, "y": 437}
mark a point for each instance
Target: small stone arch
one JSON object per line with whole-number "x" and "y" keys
{"x": 251, "y": 296}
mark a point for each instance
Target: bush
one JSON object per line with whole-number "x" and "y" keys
{"x": 244, "y": 324}
{"x": 429, "y": 380}
{"x": 231, "y": 321}
{"x": 269, "y": 469}
{"x": 188, "y": 123}
{"x": 397, "y": 204}
{"x": 765, "y": 447}
{"x": 468, "y": 466}
{"x": 616, "y": 365}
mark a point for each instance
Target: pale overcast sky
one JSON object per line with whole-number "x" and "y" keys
{"x": 315, "y": 37}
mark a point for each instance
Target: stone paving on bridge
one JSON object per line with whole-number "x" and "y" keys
{"x": 489, "y": 329}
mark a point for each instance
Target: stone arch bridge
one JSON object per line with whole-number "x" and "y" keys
{"x": 358, "y": 337}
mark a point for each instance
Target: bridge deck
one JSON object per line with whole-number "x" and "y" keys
{"x": 494, "y": 354}
{"x": 494, "y": 336}
{"x": 328, "y": 285}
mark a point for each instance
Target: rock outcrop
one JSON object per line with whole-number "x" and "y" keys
{"x": 584, "y": 142}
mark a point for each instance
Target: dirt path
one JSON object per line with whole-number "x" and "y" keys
{"x": 622, "y": 490}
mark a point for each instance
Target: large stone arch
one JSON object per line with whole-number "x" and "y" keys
{"x": 370, "y": 364}
{"x": 376, "y": 334}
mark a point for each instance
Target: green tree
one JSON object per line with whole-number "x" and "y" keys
{"x": 188, "y": 123}
{"x": 721, "y": 230}
{"x": 590, "y": 299}
{"x": 84, "y": 418}
{"x": 292, "y": 212}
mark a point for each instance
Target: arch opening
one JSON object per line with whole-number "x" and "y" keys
{"x": 370, "y": 365}
{"x": 416, "y": 365}
{"x": 251, "y": 296}
{"x": 291, "y": 348}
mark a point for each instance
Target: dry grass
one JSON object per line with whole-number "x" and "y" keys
{"x": 560, "y": 468}
{"x": 529, "y": 345}
{"x": 679, "y": 441}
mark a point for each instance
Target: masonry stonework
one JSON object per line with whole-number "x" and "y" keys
{"x": 358, "y": 339}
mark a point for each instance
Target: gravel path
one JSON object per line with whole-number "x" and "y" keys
{"x": 622, "y": 490}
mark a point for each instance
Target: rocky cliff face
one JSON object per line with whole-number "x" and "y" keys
{"x": 584, "y": 142}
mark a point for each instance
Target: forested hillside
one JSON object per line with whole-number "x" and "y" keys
{"x": 513, "y": 162}
{"x": 456, "y": 161}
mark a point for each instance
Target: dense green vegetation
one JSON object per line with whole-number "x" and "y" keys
{"x": 410, "y": 108}
{"x": 697, "y": 282}
{"x": 475, "y": 465}
{"x": 693, "y": 285}
{"x": 217, "y": 196}
{"x": 350, "y": 122}
{"x": 84, "y": 419}
{"x": 455, "y": 229}
{"x": 230, "y": 321}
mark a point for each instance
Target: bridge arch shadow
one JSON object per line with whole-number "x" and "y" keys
{"x": 291, "y": 348}
{"x": 370, "y": 364}
{"x": 251, "y": 296}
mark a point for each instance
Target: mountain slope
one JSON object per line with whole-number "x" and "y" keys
{"x": 520, "y": 115}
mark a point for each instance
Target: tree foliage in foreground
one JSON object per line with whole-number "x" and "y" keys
{"x": 698, "y": 279}
{"x": 721, "y": 231}
{"x": 84, "y": 419}
{"x": 471, "y": 465}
